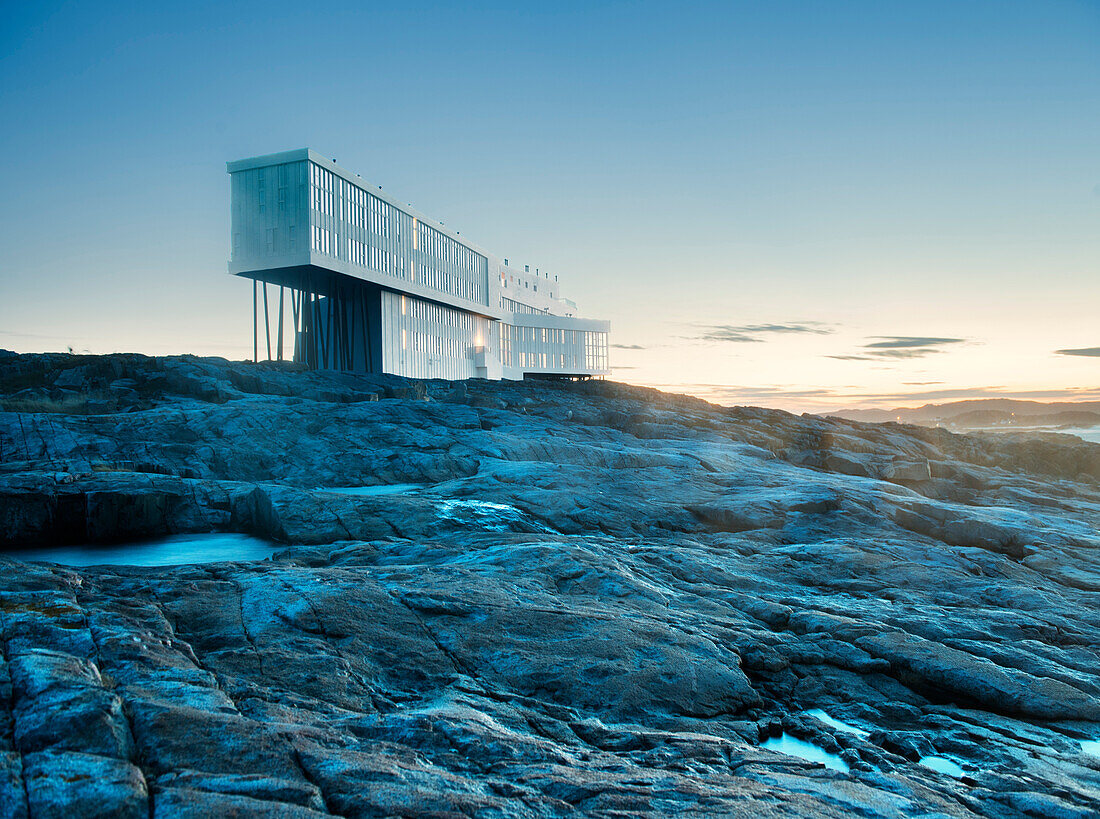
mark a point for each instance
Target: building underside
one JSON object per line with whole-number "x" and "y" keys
{"x": 328, "y": 321}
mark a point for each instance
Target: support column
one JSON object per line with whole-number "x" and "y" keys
{"x": 280, "y": 341}
{"x": 255, "y": 329}
{"x": 267, "y": 324}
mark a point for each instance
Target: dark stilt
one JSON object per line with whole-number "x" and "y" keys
{"x": 267, "y": 324}
{"x": 309, "y": 318}
{"x": 306, "y": 307}
{"x": 280, "y": 341}
{"x": 345, "y": 307}
{"x": 329, "y": 334}
{"x": 367, "y": 364}
{"x": 331, "y": 323}
{"x": 299, "y": 352}
{"x": 321, "y": 336}
{"x": 342, "y": 323}
{"x": 255, "y": 329}
{"x": 334, "y": 317}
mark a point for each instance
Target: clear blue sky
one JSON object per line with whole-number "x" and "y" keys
{"x": 756, "y": 194}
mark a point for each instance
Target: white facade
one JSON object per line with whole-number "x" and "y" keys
{"x": 375, "y": 285}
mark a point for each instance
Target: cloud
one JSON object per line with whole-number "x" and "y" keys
{"x": 908, "y": 342}
{"x": 899, "y": 348}
{"x": 25, "y": 335}
{"x": 747, "y": 333}
{"x": 1091, "y": 352}
{"x": 919, "y": 352}
{"x": 728, "y": 334}
{"x": 627, "y": 346}
{"x": 815, "y": 327}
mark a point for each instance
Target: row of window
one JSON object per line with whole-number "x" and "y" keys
{"x": 435, "y": 259}
{"x": 447, "y": 252}
{"x": 595, "y": 350}
{"x": 546, "y": 335}
{"x": 468, "y": 287}
{"x": 513, "y": 306}
{"x": 545, "y": 348}
{"x": 394, "y": 264}
{"x": 324, "y": 241}
{"x": 435, "y": 340}
{"x": 546, "y": 361}
{"x": 331, "y": 194}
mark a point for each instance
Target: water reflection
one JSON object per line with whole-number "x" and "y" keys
{"x": 818, "y": 714}
{"x": 793, "y": 746}
{"x": 367, "y": 491}
{"x": 943, "y": 765}
{"x": 172, "y": 550}
{"x": 493, "y": 517}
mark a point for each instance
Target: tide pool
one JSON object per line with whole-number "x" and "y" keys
{"x": 172, "y": 550}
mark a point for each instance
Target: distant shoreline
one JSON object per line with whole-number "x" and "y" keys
{"x": 1090, "y": 434}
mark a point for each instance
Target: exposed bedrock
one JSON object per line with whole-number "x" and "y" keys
{"x": 600, "y": 600}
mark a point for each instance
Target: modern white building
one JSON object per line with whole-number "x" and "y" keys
{"x": 371, "y": 285}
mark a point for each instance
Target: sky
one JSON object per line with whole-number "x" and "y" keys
{"x": 805, "y": 205}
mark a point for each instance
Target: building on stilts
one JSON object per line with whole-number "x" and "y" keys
{"x": 344, "y": 277}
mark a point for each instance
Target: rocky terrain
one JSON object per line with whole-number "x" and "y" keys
{"x": 601, "y": 600}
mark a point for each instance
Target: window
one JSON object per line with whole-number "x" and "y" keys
{"x": 291, "y": 240}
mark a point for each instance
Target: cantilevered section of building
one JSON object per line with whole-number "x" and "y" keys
{"x": 360, "y": 282}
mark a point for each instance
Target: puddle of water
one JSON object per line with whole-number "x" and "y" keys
{"x": 818, "y": 714}
{"x": 793, "y": 746}
{"x": 943, "y": 765}
{"x": 366, "y": 491}
{"x": 173, "y": 550}
{"x": 495, "y": 517}
{"x": 1091, "y": 747}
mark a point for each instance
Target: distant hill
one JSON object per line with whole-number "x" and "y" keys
{"x": 986, "y": 412}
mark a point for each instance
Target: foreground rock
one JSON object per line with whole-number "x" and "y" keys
{"x": 602, "y": 600}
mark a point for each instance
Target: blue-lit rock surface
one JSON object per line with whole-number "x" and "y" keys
{"x": 596, "y": 599}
